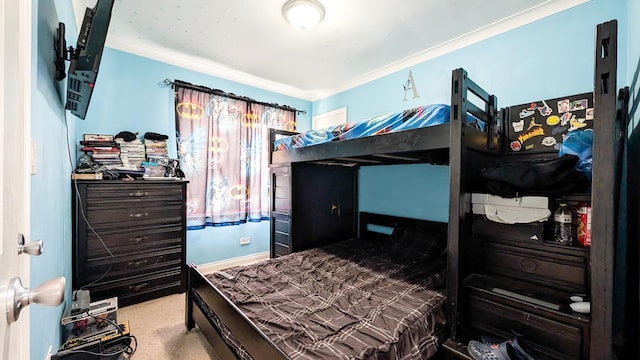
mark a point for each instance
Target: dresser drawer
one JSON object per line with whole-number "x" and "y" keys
{"x": 281, "y": 224}
{"x": 280, "y": 249}
{"x": 281, "y": 190}
{"x": 129, "y": 238}
{"x": 126, "y": 241}
{"x": 134, "y": 216}
{"x": 562, "y": 271}
{"x": 552, "y": 338}
{"x": 282, "y": 239}
{"x": 121, "y": 194}
{"x": 134, "y": 264}
{"x": 135, "y": 289}
{"x": 528, "y": 232}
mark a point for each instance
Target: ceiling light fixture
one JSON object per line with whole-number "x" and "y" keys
{"x": 303, "y": 14}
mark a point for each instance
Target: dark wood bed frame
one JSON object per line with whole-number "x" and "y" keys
{"x": 255, "y": 342}
{"x": 441, "y": 144}
{"x": 466, "y": 150}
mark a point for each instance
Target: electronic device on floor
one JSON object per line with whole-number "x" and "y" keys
{"x": 109, "y": 345}
{"x": 96, "y": 308}
{"x": 93, "y": 321}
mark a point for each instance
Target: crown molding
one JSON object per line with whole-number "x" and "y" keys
{"x": 203, "y": 66}
{"x": 209, "y": 67}
{"x": 548, "y": 8}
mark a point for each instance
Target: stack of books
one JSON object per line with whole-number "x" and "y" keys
{"x": 102, "y": 149}
{"x": 157, "y": 156}
{"x": 156, "y": 151}
{"x": 132, "y": 153}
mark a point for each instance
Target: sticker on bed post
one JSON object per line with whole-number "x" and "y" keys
{"x": 540, "y": 126}
{"x": 410, "y": 84}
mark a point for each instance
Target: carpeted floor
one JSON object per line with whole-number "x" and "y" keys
{"x": 158, "y": 326}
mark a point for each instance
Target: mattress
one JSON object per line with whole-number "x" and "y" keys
{"x": 349, "y": 300}
{"x": 418, "y": 117}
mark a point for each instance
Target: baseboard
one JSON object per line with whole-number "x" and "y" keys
{"x": 225, "y": 264}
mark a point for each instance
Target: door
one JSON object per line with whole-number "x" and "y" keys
{"x": 15, "y": 62}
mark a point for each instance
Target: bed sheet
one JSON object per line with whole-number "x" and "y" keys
{"x": 418, "y": 117}
{"x": 350, "y": 300}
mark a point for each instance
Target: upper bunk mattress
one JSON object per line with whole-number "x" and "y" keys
{"x": 349, "y": 300}
{"x": 419, "y": 117}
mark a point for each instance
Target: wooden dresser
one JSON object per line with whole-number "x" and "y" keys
{"x": 129, "y": 238}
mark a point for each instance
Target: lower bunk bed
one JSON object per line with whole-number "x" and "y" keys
{"x": 379, "y": 296}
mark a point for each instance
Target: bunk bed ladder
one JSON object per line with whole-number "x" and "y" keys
{"x": 602, "y": 195}
{"x": 459, "y": 225}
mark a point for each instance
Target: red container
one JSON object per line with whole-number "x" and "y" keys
{"x": 584, "y": 224}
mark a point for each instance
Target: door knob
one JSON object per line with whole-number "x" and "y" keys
{"x": 33, "y": 248}
{"x": 49, "y": 293}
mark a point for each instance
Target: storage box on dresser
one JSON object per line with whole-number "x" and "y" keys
{"x": 142, "y": 224}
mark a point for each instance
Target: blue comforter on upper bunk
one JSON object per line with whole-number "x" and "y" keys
{"x": 418, "y": 117}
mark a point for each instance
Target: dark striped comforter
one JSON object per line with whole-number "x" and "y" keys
{"x": 346, "y": 301}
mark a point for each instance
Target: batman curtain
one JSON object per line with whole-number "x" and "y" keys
{"x": 223, "y": 150}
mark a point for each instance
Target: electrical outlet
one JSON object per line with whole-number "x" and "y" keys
{"x": 245, "y": 240}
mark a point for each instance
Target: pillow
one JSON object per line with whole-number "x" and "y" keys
{"x": 410, "y": 242}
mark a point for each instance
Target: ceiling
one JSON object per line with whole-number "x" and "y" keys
{"x": 249, "y": 41}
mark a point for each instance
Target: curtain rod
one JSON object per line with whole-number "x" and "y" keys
{"x": 218, "y": 92}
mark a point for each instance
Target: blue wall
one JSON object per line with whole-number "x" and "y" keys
{"x": 380, "y": 186}
{"x": 50, "y": 186}
{"x": 548, "y": 58}
{"x": 130, "y": 95}
{"x": 560, "y": 47}
{"x": 551, "y": 57}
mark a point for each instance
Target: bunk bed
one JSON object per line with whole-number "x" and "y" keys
{"x": 534, "y": 308}
{"x": 306, "y": 220}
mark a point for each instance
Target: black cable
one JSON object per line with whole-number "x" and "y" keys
{"x": 79, "y": 202}
{"x": 110, "y": 321}
{"x": 129, "y": 350}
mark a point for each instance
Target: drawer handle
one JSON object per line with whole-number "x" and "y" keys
{"x": 137, "y": 263}
{"x": 138, "y": 215}
{"x": 138, "y": 239}
{"x": 137, "y": 287}
{"x": 139, "y": 193}
{"x": 528, "y": 265}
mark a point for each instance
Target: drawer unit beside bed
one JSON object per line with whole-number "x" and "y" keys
{"x": 280, "y": 211}
{"x": 503, "y": 307}
{"x": 129, "y": 239}
{"x": 312, "y": 205}
{"x": 551, "y": 265}
{"x": 515, "y": 282}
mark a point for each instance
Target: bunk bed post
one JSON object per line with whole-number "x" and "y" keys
{"x": 493, "y": 135}
{"x": 602, "y": 194}
{"x": 457, "y": 221}
{"x": 188, "y": 310}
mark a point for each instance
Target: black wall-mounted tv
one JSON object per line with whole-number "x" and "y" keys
{"x": 85, "y": 58}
